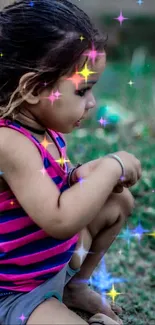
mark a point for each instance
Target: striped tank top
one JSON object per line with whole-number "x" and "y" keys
{"x": 28, "y": 255}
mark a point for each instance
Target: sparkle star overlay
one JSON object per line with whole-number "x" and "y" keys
{"x": 86, "y": 72}
{"x": 76, "y": 79}
{"x": 113, "y": 293}
{"x": 127, "y": 235}
{"x": 139, "y": 231}
{"x": 93, "y": 54}
{"x": 121, "y": 18}
{"x": 22, "y": 318}
{"x": 101, "y": 280}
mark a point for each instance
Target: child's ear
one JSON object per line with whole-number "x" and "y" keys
{"x": 27, "y": 95}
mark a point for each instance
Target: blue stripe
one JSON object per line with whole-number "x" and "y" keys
{"x": 19, "y": 233}
{"x": 13, "y": 214}
{"x": 47, "y": 163}
{"x": 37, "y": 267}
{"x": 64, "y": 188}
{"x": 57, "y": 180}
{"x": 35, "y": 139}
{"x": 60, "y": 142}
{"x": 32, "y": 248}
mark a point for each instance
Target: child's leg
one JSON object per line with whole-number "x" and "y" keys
{"x": 101, "y": 232}
{"x": 99, "y": 235}
{"x": 54, "y": 312}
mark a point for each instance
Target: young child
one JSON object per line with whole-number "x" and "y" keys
{"x": 47, "y": 215}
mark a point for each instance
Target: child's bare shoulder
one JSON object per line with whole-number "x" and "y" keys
{"x": 21, "y": 164}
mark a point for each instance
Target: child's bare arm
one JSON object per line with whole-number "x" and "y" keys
{"x": 60, "y": 215}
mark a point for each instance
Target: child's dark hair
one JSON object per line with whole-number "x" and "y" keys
{"x": 41, "y": 36}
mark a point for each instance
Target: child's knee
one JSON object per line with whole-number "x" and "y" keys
{"x": 127, "y": 202}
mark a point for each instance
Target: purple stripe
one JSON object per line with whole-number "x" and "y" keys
{"x": 41, "y": 256}
{"x": 9, "y": 246}
{"x": 27, "y": 276}
{"x": 14, "y": 225}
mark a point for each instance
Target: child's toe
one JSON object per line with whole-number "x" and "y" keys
{"x": 102, "y": 319}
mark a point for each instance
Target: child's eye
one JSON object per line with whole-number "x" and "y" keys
{"x": 82, "y": 92}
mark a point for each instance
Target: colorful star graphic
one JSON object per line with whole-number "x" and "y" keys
{"x": 81, "y": 252}
{"x": 140, "y": 2}
{"x": 81, "y": 38}
{"x": 93, "y": 54}
{"x": 127, "y": 235}
{"x": 43, "y": 171}
{"x": 45, "y": 143}
{"x": 103, "y": 121}
{"x": 139, "y": 231}
{"x": 102, "y": 281}
{"x": 31, "y": 3}
{"x": 52, "y": 98}
{"x": 121, "y": 18}
{"x": 130, "y": 83}
{"x": 113, "y": 293}
{"x": 62, "y": 161}
{"x": 86, "y": 72}
{"x": 22, "y": 318}
{"x": 76, "y": 79}
{"x": 152, "y": 234}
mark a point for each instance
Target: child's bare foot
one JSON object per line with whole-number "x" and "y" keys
{"x": 101, "y": 319}
{"x": 82, "y": 297}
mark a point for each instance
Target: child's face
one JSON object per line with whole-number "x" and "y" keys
{"x": 73, "y": 103}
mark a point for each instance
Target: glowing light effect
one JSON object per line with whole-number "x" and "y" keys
{"x": 139, "y": 231}
{"x": 62, "y": 161}
{"x": 81, "y": 38}
{"x": 102, "y": 281}
{"x": 130, "y": 83}
{"x": 93, "y": 54}
{"x": 121, "y": 18}
{"x": 152, "y": 234}
{"x": 103, "y": 121}
{"x": 1, "y": 55}
{"x": 22, "y": 318}
{"x": 140, "y": 2}
{"x": 76, "y": 79}
{"x": 86, "y": 72}
{"x": 43, "y": 171}
{"x": 81, "y": 252}
{"x": 113, "y": 293}
{"x": 45, "y": 143}
{"x": 127, "y": 235}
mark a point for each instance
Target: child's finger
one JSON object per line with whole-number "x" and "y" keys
{"x": 118, "y": 189}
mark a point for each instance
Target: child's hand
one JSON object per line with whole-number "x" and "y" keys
{"x": 81, "y": 172}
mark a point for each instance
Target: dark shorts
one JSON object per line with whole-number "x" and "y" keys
{"x": 16, "y": 309}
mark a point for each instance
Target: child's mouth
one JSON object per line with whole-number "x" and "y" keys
{"x": 79, "y": 122}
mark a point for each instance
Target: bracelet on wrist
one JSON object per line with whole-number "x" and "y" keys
{"x": 70, "y": 174}
{"x": 120, "y": 162}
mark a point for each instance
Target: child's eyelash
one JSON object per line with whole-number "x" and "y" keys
{"x": 82, "y": 92}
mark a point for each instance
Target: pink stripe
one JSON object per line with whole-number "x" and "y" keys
{"x": 9, "y": 246}
{"x": 27, "y": 276}
{"x": 15, "y": 225}
{"x": 9, "y": 205}
{"x": 5, "y": 195}
{"x": 26, "y": 288}
{"x": 41, "y": 256}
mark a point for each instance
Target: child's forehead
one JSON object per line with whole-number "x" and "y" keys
{"x": 93, "y": 70}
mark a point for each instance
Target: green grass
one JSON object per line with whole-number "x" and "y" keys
{"x": 137, "y": 262}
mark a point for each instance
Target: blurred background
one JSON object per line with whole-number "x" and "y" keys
{"x": 125, "y": 98}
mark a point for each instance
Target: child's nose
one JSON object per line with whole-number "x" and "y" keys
{"x": 91, "y": 104}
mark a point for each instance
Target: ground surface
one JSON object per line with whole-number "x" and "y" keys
{"x": 132, "y": 259}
